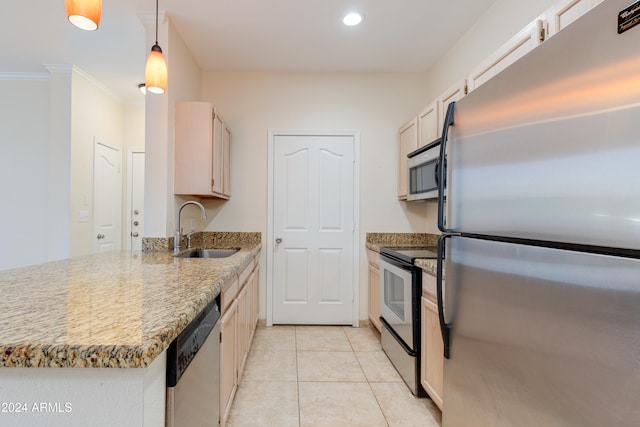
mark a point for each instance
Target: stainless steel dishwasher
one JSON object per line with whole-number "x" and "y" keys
{"x": 193, "y": 372}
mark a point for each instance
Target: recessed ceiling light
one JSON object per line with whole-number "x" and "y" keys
{"x": 353, "y": 19}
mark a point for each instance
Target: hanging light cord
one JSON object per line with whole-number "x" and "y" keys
{"x": 157, "y": 21}
{"x": 156, "y": 47}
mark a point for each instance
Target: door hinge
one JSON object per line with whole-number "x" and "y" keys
{"x": 542, "y": 34}
{"x": 213, "y": 183}
{"x": 220, "y": 336}
{"x": 466, "y": 89}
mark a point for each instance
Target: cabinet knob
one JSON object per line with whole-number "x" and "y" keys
{"x": 278, "y": 240}
{"x": 134, "y": 234}
{"x": 100, "y": 236}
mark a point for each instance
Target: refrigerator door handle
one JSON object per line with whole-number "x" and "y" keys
{"x": 445, "y": 328}
{"x": 442, "y": 171}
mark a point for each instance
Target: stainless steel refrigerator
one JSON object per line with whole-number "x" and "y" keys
{"x": 540, "y": 307}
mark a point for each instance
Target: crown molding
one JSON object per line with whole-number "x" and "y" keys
{"x": 17, "y": 76}
{"x": 58, "y": 68}
{"x": 149, "y": 17}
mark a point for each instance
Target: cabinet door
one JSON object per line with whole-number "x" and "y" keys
{"x": 243, "y": 330}
{"x": 193, "y": 132}
{"x": 454, "y": 93}
{"x": 566, "y": 12}
{"x": 217, "y": 159}
{"x": 374, "y": 296}
{"x": 520, "y": 44}
{"x": 255, "y": 307}
{"x": 408, "y": 142}
{"x": 428, "y": 128}
{"x": 226, "y": 162}
{"x": 432, "y": 357}
{"x": 228, "y": 369}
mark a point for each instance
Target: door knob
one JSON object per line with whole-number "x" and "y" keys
{"x": 100, "y": 236}
{"x": 278, "y": 239}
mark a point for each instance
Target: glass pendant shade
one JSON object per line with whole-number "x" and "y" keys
{"x": 84, "y": 14}
{"x": 155, "y": 73}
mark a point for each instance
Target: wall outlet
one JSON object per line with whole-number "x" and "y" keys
{"x": 83, "y": 216}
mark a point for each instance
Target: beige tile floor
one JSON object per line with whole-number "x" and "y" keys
{"x": 307, "y": 376}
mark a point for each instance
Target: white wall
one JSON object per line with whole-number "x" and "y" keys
{"x": 184, "y": 82}
{"x": 24, "y": 170}
{"x": 374, "y": 104}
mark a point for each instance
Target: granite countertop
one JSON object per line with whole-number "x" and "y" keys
{"x": 112, "y": 310}
{"x": 427, "y": 265}
{"x": 400, "y": 240}
{"x": 405, "y": 240}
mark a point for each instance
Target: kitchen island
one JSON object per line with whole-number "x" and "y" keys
{"x": 83, "y": 340}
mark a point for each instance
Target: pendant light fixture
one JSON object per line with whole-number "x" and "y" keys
{"x": 155, "y": 73}
{"x": 84, "y": 14}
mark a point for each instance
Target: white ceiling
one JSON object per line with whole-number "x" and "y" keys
{"x": 237, "y": 35}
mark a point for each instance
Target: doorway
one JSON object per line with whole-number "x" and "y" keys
{"x": 313, "y": 223}
{"x": 135, "y": 200}
{"x": 107, "y": 197}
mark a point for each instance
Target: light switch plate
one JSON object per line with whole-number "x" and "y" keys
{"x": 83, "y": 216}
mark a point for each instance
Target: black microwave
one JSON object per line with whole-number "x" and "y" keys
{"x": 423, "y": 167}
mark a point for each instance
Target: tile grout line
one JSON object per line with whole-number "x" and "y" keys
{"x": 355, "y": 354}
{"x": 295, "y": 341}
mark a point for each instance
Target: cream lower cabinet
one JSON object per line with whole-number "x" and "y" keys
{"x": 228, "y": 359}
{"x": 432, "y": 346}
{"x": 374, "y": 288}
{"x": 237, "y": 327}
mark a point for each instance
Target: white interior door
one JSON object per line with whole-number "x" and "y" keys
{"x": 314, "y": 229}
{"x": 135, "y": 200}
{"x": 107, "y": 198}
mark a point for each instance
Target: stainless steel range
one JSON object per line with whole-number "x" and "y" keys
{"x": 401, "y": 288}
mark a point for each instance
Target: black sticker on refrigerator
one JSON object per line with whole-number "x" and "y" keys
{"x": 629, "y": 17}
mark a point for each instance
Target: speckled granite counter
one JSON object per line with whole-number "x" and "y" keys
{"x": 116, "y": 309}
{"x": 427, "y": 265}
{"x": 398, "y": 240}
{"x": 405, "y": 240}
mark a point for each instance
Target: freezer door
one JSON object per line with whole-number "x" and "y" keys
{"x": 550, "y": 148}
{"x": 540, "y": 337}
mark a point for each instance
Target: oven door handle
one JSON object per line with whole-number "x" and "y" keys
{"x": 442, "y": 171}
{"x": 445, "y": 328}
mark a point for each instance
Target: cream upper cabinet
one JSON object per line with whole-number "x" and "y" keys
{"x": 407, "y": 142}
{"x": 520, "y": 44}
{"x": 226, "y": 163}
{"x": 202, "y": 151}
{"x": 567, "y": 11}
{"x": 454, "y": 93}
{"x": 428, "y": 126}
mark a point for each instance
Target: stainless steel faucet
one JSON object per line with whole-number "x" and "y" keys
{"x": 177, "y": 237}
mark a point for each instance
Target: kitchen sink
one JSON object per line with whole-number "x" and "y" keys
{"x": 208, "y": 253}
